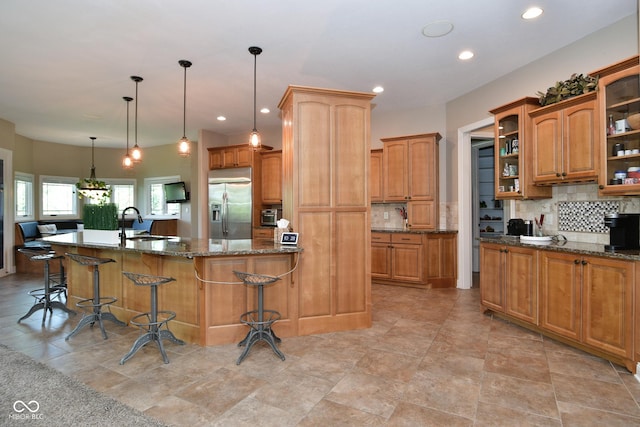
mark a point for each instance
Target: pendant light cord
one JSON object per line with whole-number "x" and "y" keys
{"x": 255, "y": 61}
{"x": 184, "y": 105}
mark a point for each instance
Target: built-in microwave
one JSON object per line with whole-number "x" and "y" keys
{"x": 270, "y": 217}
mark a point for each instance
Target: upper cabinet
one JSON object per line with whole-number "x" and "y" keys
{"x": 375, "y": 176}
{"x": 272, "y": 177}
{"x": 619, "y": 95}
{"x": 513, "y": 153}
{"x": 566, "y": 141}
{"x": 236, "y": 156}
{"x": 410, "y": 174}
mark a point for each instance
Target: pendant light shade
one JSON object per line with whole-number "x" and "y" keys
{"x": 254, "y": 137}
{"x": 136, "y": 152}
{"x": 184, "y": 145}
{"x": 127, "y": 161}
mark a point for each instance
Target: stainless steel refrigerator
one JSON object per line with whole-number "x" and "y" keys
{"x": 230, "y": 203}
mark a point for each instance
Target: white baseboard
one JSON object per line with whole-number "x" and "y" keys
{"x": 637, "y": 375}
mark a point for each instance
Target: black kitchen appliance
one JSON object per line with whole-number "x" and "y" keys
{"x": 516, "y": 227}
{"x": 624, "y": 231}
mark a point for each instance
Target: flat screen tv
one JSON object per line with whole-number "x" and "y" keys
{"x": 176, "y": 192}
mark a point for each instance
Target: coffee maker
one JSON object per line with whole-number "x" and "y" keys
{"x": 624, "y": 231}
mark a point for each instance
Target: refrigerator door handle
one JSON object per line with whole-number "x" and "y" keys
{"x": 225, "y": 212}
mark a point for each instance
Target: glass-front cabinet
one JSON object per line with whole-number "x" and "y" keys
{"x": 512, "y": 128}
{"x": 619, "y": 93}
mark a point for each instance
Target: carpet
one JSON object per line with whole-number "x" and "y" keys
{"x": 33, "y": 393}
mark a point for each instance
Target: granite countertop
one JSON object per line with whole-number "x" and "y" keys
{"x": 592, "y": 249}
{"x": 179, "y": 246}
{"x": 410, "y": 231}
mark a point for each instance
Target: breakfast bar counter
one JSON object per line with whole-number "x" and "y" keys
{"x": 207, "y": 296}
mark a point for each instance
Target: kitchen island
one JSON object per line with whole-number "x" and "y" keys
{"x": 207, "y": 297}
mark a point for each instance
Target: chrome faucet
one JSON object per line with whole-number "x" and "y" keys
{"x": 123, "y": 234}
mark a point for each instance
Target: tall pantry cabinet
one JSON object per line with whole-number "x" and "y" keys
{"x": 325, "y": 162}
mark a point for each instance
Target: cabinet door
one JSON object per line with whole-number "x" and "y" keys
{"x": 376, "y": 185}
{"x": 440, "y": 266}
{"x": 560, "y": 297}
{"x": 422, "y": 168}
{"x": 272, "y": 178}
{"x": 396, "y": 171}
{"x": 581, "y": 141}
{"x": 215, "y": 159}
{"x": 406, "y": 262}
{"x": 421, "y": 215}
{"x": 229, "y": 157}
{"x": 491, "y": 276}
{"x": 244, "y": 156}
{"x": 381, "y": 260}
{"x": 607, "y": 304}
{"x": 521, "y": 283}
{"x": 547, "y": 147}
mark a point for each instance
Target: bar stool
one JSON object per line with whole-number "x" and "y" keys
{"x": 152, "y": 326}
{"x": 260, "y": 327}
{"x": 96, "y": 303}
{"x": 55, "y": 284}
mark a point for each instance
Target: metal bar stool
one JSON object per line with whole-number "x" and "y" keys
{"x": 152, "y": 325}
{"x": 96, "y": 303}
{"x": 260, "y": 327}
{"x": 55, "y": 284}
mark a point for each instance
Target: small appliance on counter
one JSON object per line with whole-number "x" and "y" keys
{"x": 516, "y": 227}
{"x": 624, "y": 231}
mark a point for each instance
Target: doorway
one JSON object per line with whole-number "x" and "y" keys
{"x": 6, "y": 212}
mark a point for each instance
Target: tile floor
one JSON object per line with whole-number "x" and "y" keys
{"x": 431, "y": 358}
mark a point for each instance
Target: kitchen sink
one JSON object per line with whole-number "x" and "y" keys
{"x": 147, "y": 238}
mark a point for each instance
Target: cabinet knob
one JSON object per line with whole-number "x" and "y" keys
{"x": 601, "y": 187}
{"x": 576, "y": 261}
{"x": 564, "y": 174}
{"x": 557, "y": 174}
{"x": 584, "y": 262}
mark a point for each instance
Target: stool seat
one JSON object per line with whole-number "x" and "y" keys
{"x": 153, "y": 321}
{"x": 95, "y": 304}
{"x": 55, "y": 284}
{"x": 260, "y": 326}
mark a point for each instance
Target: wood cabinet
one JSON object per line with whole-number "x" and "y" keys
{"x": 271, "y": 177}
{"x": 513, "y": 152}
{"x": 398, "y": 257}
{"x": 588, "y": 299}
{"x": 508, "y": 280}
{"x": 263, "y": 233}
{"x": 326, "y": 150}
{"x": 566, "y": 141}
{"x": 619, "y": 96}
{"x": 425, "y": 260}
{"x": 376, "y": 182}
{"x": 583, "y": 300}
{"x": 410, "y": 174}
{"x": 233, "y": 156}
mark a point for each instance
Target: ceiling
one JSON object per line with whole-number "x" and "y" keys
{"x": 66, "y": 64}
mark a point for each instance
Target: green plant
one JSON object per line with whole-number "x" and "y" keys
{"x": 100, "y": 217}
{"x": 576, "y": 85}
{"x": 91, "y": 188}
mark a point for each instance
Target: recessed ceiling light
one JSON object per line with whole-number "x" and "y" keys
{"x": 437, "y": 29}
{"x": 221, "y": 118}
{"x": 465, "y": 54}
{"x": 265, "y": 110}
{"x": 532, "y": 13}
{"x": 378, "y": 89}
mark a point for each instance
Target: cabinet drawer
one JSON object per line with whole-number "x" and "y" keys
{"x": 406, "y": 238}
{"x": 380, "y": 237}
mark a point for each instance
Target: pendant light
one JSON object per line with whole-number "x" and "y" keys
{"x": 184, "y": 145}
{"x": 91, "y": 188}
{"x": 127, "y": 161}
{"x": 136, "y": 152}
{"x": 254, "y": 137}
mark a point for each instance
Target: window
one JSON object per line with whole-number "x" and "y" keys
{"x": 23, "y": 190}
{"x": 155, "y": 202}
{"x": 58, "y": 197}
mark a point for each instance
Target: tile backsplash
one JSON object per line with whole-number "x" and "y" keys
{"x": 576, "y": 212}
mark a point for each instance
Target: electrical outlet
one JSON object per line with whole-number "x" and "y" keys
{"x": 386, "y": 215}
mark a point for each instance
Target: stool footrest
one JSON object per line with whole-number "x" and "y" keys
{"x": 168, "y": 315}
{"x": 249, "y": 318}
{"x": 90, "y": 302}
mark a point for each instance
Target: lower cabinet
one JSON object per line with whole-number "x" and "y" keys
{"x": 588, "y": 299}
{"x": 508, "y": 280}
{"x": 584, "y": 300}
{"x": 414, "y": 259}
